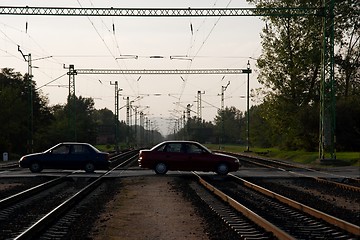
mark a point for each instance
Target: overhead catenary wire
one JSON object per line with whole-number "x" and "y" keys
{"x": 115, "y": 29}
{"x": 104, "y": 42}
{"x": 201, "y": 46}
{"x": 51, "y": 81}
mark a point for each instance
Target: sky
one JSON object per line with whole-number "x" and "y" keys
{"x": 55, "y": 42}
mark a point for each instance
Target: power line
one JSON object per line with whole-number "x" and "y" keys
{"x": 51, "y": 81}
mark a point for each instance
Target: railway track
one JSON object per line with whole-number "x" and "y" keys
{"x": 242, "y": 220}
{"x": 331, "y": 179}
{"x": 10, "y": 166}
{"x": 258, "y": 213}
{"x": 59, "y": 201}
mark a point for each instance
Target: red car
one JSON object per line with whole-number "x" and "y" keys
{"x": 186, "y": 156}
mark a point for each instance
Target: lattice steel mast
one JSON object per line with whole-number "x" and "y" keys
{"x": 327, "y": 136}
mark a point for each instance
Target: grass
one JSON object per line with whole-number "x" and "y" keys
{"x": 303, "y": 157}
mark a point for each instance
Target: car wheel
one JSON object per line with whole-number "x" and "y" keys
{"x": 89, "y": 167}
{"x": 160, "y": 168}
{"x": 35, "y": 167}
{"x": 222, "y": 169}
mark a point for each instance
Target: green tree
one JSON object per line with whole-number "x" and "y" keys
{"x": 290, "y": 68}
{"x": 261, "y": 134}
{"x": 196, "y": 130}
{"x": 228, "y": 124}
{"x": 347, "y": 57}
{"x": 17, "y": 126}
{"x": 14, "y": 108}
{"x": 85, "y": 121}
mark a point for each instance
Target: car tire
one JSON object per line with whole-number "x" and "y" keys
{"x": 222, "y": 169}
{"x": 89, "y": 167}
{"x": 35, "y": 167}
{"x": 160, "y": 168}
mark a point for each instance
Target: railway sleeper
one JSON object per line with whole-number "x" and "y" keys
{"x": 245, "y": 228}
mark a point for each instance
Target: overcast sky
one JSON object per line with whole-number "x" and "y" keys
{"x": 96, "y": 42}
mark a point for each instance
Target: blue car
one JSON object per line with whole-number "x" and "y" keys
{"x": 68, "y": 155}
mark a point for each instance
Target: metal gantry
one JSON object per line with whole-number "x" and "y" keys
{"x": 161, "y": 71}
{"x": 326, "y": 12}
{"x": 160, "y": 12}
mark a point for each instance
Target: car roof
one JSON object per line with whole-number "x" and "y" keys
{"x": 179, "y": 141}
{"x": 74, "y": 143}
{"x": 173, "y": 141}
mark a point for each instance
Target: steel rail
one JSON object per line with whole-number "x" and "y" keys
{"x": 349, "y": 227}
{"x": 161, "y": 12}
{"x": 30, "y": 192}
{"x": 8, "y": 165}
{"x": 319, "y": 179}
{"x": 280, "y": 234}
{"x": 46, "y": 221}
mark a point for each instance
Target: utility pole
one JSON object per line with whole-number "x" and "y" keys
{"x": 184, "y": 124}
{"x": 30, "y": 141}
{"x": 127, "y": 119}
{"x": 135, "y": 126}
{"x": 199, "y": 107}
{"x": 72, "y": 102}
{"x": 117, "y": 90}
{"x": 248, "y": 109}
{"x": 141, "y": 129}
{"x": 147, "y": 130}
{"x": 327, "y": 133}
{"x": 188, "y": 110}
{"x": 223, "y": 89}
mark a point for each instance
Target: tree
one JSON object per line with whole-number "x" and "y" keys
{"x": 228, "y": 124}
{"x": 22, "y": 117}
{"x": 196, "y": 130}
{"x": 85, "y": 121}
{"x": 13, "y": 117}
{"x": 347, "y": 58}
{"x": 261, "y": 134}
{"x": 290, "y": 64}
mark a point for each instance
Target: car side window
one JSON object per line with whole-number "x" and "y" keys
{"x": 79, "y": 149}
{"x": 63, "y": 149}
{"x": 192, "y": 148}
{"x": 173, "y": 147}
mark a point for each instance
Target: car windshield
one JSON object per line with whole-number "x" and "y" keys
{"x": 95, "y": 149}
{"x": 156, "y": 146}
{"x": 208, "y": 150}
{"x": 50, "y": 149}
